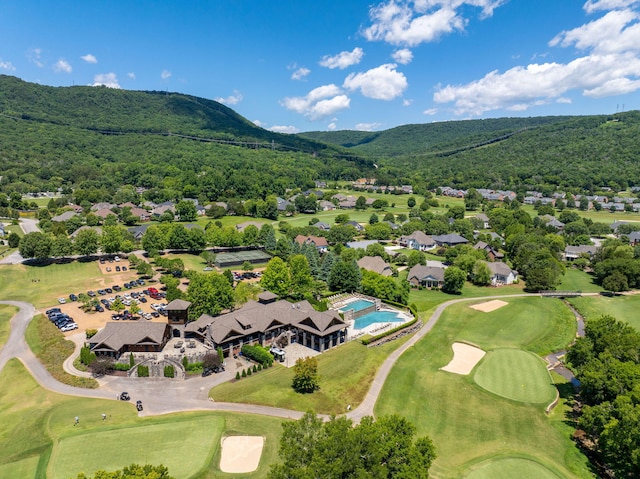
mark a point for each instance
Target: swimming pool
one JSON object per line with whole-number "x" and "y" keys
{"x": 377, "y": 317}
{"x": 358, "y": 305}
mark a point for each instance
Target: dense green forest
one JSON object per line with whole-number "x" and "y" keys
{"x": 97, "y": 139}
{"x": 570, "y": 153}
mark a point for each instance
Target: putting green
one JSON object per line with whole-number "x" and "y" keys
{"x": 185, "y": 447}
{"x": 517, "y": 375}
{"x": 27, "y": 468}
{"x": 509, "y": 468}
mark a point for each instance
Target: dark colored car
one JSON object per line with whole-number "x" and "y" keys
{"x": 124, "y": 396}
{"x": 142, "y": 299}
{"x": 73, "y": 297}
{"x": 99, "y": 309}
{"x": 108, "y": 290}
{"x": 117, "y": 268}
{"x": 139, "y": 405}
{"x": 53, "y": 310}
{"x": 91, "y": 293}
{"x": 116, "y": 287}
{"x": 124, "y": 268}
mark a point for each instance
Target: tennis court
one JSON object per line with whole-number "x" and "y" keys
{"x": 237, "y": 258}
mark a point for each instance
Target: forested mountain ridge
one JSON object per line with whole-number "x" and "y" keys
{"x": 428, "y": 137}
{"x": 96, "y": 139}
{"x": 572, "y": 153}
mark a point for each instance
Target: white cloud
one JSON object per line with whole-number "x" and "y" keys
{"x": 284, "y": 129}
{"x": 33, "y": 55}
{"x": 522, "y": 87}
{"x": 300, "y": 73}
{"x": 407, "y": 102}
{"x": 405, "y": 22}
{"x": 62, "y": 65}
{"x": 7, "y": 66}
{"x": 380, "y": 83}
{"x": 259, "y": 123}
{"x": 430, "y": 111}
{"x": 343, "y": 59}
{"x": 403, "y": 56}
{"x": 165, "y": 74}
{"x": 106, "y": 79}
{"x": 332, "y": 126}
{"x": 609, "y": 66}
{"x": 131, "y": 75}
{"x": 319, "y": 102}
{"x": 89, "y": 58}
{"x": 231, "y": 99}
{"x": 367, "y": 126}
{"x": 595, "y": 5}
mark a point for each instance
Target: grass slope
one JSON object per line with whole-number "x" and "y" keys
{"x": 467, "y": 424}
{"x": 39, "y": 440}
{"x": 623, "y": 307}
{"x": 348, "y": 372}
{"x": 6, "y": 313}
{"x": 509, "y": 468}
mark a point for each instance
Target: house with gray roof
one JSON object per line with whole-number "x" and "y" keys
{"x": 575, "y": 252}
{"x": 375, "y": 264}
{"x": 66, "y": 216}
{"x": 426, "y": 276}
{"x": 266, "y": 321}
{"x": 451, "y": 239}
{"x": 118, "y": 338}
{"x": 418, "y": 241}
{"x": 501, "y": 273}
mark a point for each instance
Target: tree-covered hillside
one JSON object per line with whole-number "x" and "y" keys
{"x": 97, "y": 139}
{"x": 428, "y": 138}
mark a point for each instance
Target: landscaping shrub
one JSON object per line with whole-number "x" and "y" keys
{"x": 143, "y": 371}
{"x": 194, "y": 367}
{"x": 371, "y": 339}
{"x": 185, "y": 363}
{"x": 91, "y": 333}
{"x": 169, "y": 371}
{"x": 132, "y": 361}
{"x": 259, "y": 367}
{"x": 244, "y": 373}
{"x": 86, "y": 356}
{"x": 238, "y": 375}
{"x": 255, "y": 368}
{"x": 121, "y": 367}
{"x": 248, "y": 371}
{"x": 257, "y": 353}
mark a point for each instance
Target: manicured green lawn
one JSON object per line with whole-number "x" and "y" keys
{"x": 517, "y": 375}
{"x": 467, "y": 423}
{"x": 37, "y": 433}
{"x": 6, "y": 313}
{"x": 623, "y": 307}
{"x": 578, "y": 280}
{"x": 510, "y": 468}
{"x": 345, "y": 373}
{"x": 162, "y": 443}
{"x": 42, "y": 285}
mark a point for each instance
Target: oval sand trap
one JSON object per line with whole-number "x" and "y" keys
{"x": 465, "y": 357}
{"x": 241, "y": 454}
{"x": 489, "y": 306}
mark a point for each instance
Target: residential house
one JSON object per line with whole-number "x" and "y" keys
{"x": 97, "y": 229}
{"x": 634, "y": 238}
{"x": 138, "y": 231}
{"x": 375, "y": 264}
{"x": 324, "y": 205}
{"x": 242, "y": 226}
{"x": 66, "y": 216}
{"x": 266, "y": 321}
{"x": 493, "y": 254}
{"x": 322, "y": 226}
{"x": 102, "y": 206}
{"x": 574, "y": 252}
{"x": 418, "y": 241}
{"x": 501, "y": 274}
{"x": 359, "y": 228}
{"x": 103, "y": 213}
{"x": 318, "y": 241}
{"x": 451, "y": 239}
{"x": 426, "y": 276}
{"x": 118, "y": 338}
{"x": 140, "y": 214}
{"x": 163, "y": 208}
{"x": 360, "y": 244}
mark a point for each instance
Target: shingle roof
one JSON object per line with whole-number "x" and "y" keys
{"x": 375, "y": 264}
{"x": 178, "y": 305}
{"x": 421, "y": 272}
{"x": 116, "y": 335}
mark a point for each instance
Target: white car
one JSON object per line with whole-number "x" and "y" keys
{"x": 147, "y": 315}
{"x": 62, "y": 300}
{"x": 69, "y": 327}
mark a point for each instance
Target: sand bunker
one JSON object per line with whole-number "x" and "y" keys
{"x": 465, "y": 357}
{"x": 241, "y": 454}
{"x": 489, "y": 306}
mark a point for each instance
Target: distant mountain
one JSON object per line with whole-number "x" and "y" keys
{"x": 428, "y": 137}
{"x": 96, "y": 139}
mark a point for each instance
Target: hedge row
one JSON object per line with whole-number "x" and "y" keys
{"x": 384, "y": 334}
{"x": 258, "y": 354}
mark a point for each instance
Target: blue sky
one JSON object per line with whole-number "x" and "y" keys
{"x": 294, "y": 66}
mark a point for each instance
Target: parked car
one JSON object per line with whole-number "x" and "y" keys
{"x": 73, "y": 297}
{"x": 116, "y": 287}
{"x": 91, "y": 293}
{"x": 69, "y": 327}
{"x": 140, "y": 282}
{"x": 142, "y": 299}
{"x": 102, "y": 292}
{"x": 155, "y": 314}
{"x": 118, "y": 268}
{"x": 124, "y": 268}
{"x": 139, "y": 405}
{"x": 62, "y": 300}
{"x": 124, "y": 396}
{"x": 53, "y": 310}
{"x": 99, "y": 309}
{"x": 108, "y": 290}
